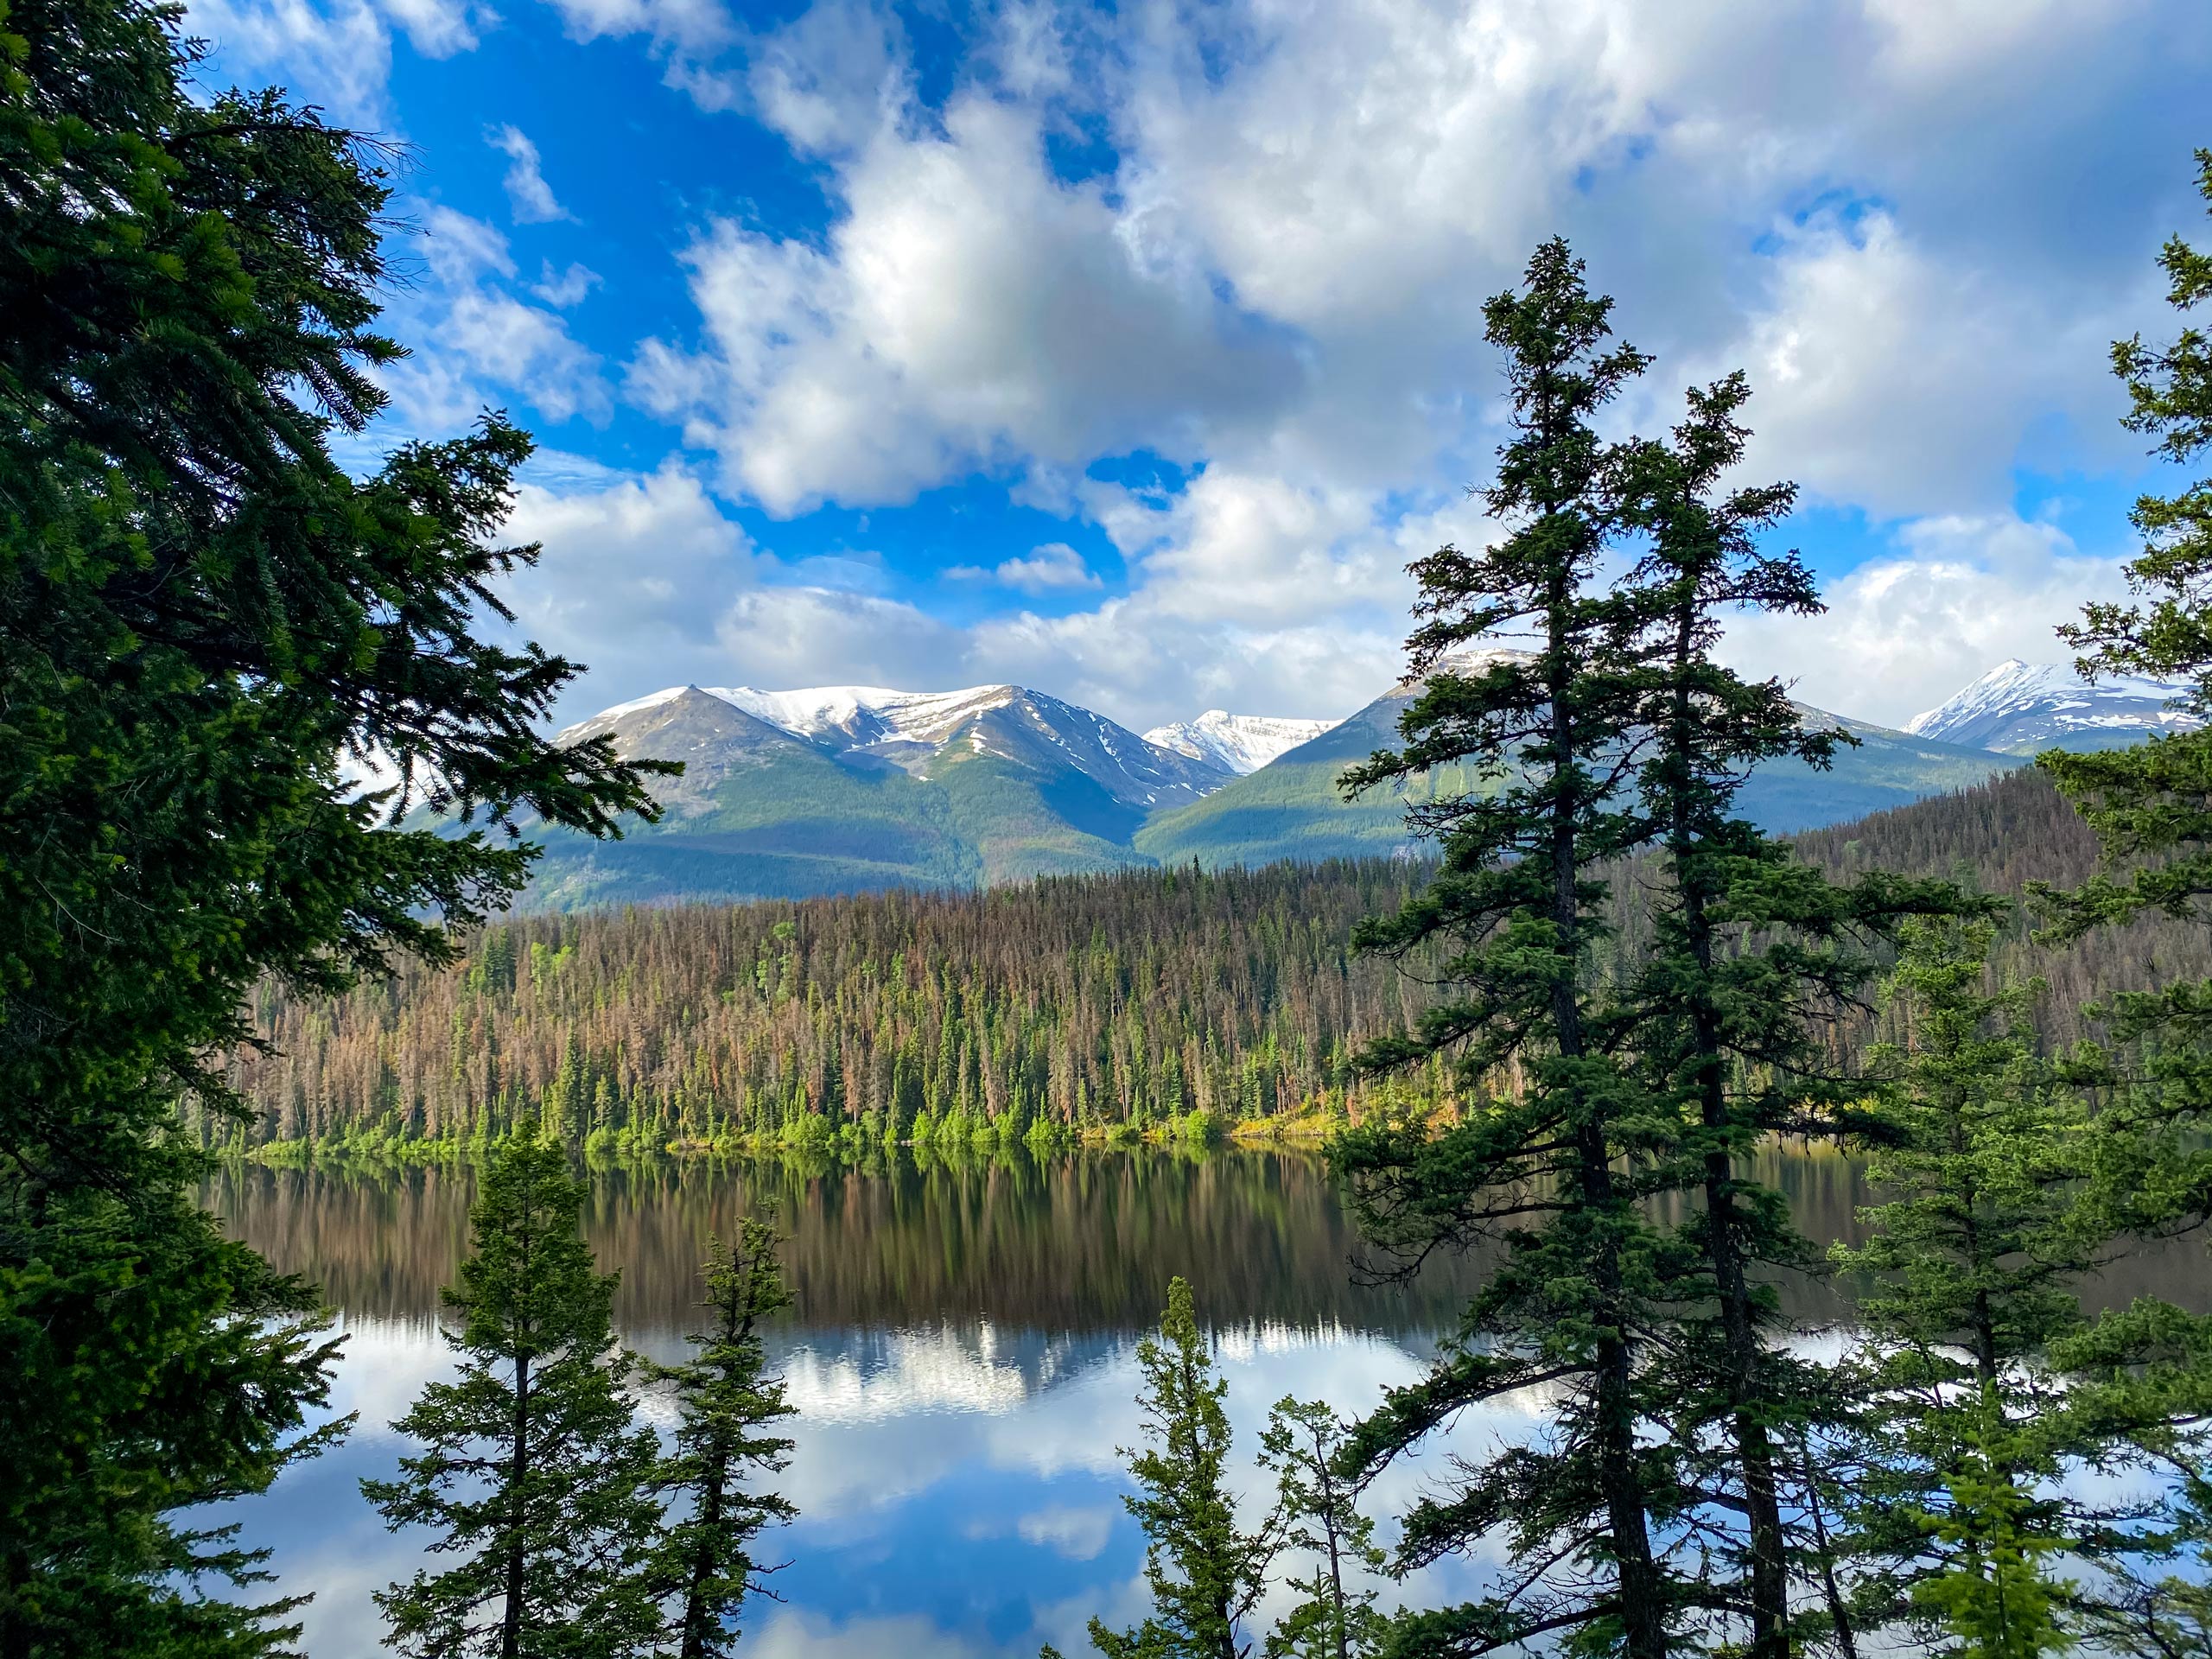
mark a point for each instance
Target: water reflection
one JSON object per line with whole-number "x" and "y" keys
{"x": 961, "y": 1355}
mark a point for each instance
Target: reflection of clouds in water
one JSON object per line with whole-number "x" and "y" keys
{"x": 796, "y": 1633}
{"x": 386, "y": 1363}
{"x": 1080, "y": 1535}
{"x": 935, "y": 1470}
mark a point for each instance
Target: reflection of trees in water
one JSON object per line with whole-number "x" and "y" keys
{"x": 1083, "y": 1243}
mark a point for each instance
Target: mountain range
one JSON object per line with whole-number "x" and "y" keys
{"x": 2024, "y": 708}
{"x": 842, "y": 789}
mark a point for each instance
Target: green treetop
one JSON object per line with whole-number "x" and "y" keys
{"x": 1550, "y": 1155}
{"x": 1749, "y": 951}
{"x": 2148, "y": 804}
{"x": 728, "y": 1406}
{"x": 1986, "y": 1385}
{"x": 534, "y": 1473}
{"x": 1205, "y": 1570}
{"x": 1317, "y": 1513}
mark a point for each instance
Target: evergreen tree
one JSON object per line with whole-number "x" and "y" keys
{"x": 1988, "y": 1384}
{"x": 534, "y": 1472}
{"x": 727, "y": 1406}
{"x": 2149, "y": 803}
{"x": 1317, "y": 1511}
{"x": 202, "y": 618}
{"x": 1748, "y": 949}
{"x": 2150, "y": 808}
{"x": 1205, "y": 1570}
{"x": 1551, "y": 1164}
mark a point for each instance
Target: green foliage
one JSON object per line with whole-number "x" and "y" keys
{"x": 202, "y": 620}
{"x": 1316, "y": 1508}
{"x": 728, "y": 1407}
{"x": 1741, "y": 941}
{"x": 1072, "y": 1003}
{"x": 1205, "y": 1572}
{"x": 533, "y": 1472}
{"x": 1984, "y": 1382}
{"x": 1553, "y": 1166}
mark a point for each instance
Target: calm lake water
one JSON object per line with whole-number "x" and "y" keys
{"x": 961, "y": 1355}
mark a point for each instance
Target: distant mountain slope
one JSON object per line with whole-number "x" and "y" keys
{"x": 2024, "y": 708}
{"x": 849, "y": 789}
{"x": 1236, "y": 743}
{"x": 1290, "y": 808}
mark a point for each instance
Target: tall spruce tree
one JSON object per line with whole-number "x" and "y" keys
{"x": 535, "y": 1472}
{"x": 727, "y": 1406}
{"x": 1550, "y": 1154}
{"x": 1205, "y": 1569}
{"x": 2148, "y": 804}
{"x": 202, "y": 617}
{"x": 1749, "y": 952}
{"x": 2151, "y": 806}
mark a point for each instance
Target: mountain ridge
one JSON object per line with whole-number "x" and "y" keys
{"x": 2022, "y": 707}
{"x": 827, "y": 789}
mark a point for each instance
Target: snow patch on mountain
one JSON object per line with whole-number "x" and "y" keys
{"x": 866, "y": 713}
{"x": 2020, "y": 707}
{"x": 1239, "y": 743}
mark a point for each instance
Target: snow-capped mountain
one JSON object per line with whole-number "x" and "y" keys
{"x": 915, "y": 731}
{"x": 2022, "y": 707}
{"x": 1238, "y": 743}
{"x": 850, "y": 789}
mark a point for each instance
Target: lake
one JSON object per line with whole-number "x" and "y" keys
{"x": 961, "y": 1355}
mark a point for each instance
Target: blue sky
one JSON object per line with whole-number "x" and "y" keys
{"x": 1130, "y": 354}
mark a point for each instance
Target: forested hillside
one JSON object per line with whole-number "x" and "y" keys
{"x": 1131, "y": 997}
{"x": 1126, "y": 997}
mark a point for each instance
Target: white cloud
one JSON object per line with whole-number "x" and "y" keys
{"x": 335, "y": 54}
{"x": 968, "y": 308}
{"x": 1962, "y": 593}
{"x": 566, "y": 288}
{"x": 439, "y": 28}
{"x": 1892, "y": 383}
{"x": 528, "y": 194}
{"x": 1274, "y": 281}
{"x": 1916, "y": 224}
{"x": 338, "y": 55}
{"x": 1078, "y": 1533}
{"x": 633, "y": 578}
{"x": 831, "y": 78}
{"x": 483, "y": 344}
{"x": 1054, "y": 565}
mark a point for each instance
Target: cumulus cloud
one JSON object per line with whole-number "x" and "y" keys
{"x": 633, "y": 576}
{"x": 529, "y": 196}
{"x": 336, "y": 53}
{"x": 566, "y": 288}
{"x": 1051, "y": 566}
{"x": 1898, "y": 385}
{"x": 1959, "y": 594}
{"x": 490, "y": 347}
{"x": 1251, "y": 242}
{"x": 339, "y": 54}
{"x": 970, "y": 307}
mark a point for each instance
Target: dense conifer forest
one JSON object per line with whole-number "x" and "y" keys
{"x": 1134, "y": 998}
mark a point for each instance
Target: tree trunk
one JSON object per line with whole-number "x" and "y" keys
{"x": 1744, "y": 1356}
{"x": 518, "y": 1472}
{"x": 1642, "y": 1621}
{"x": 695, "y": 1619}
